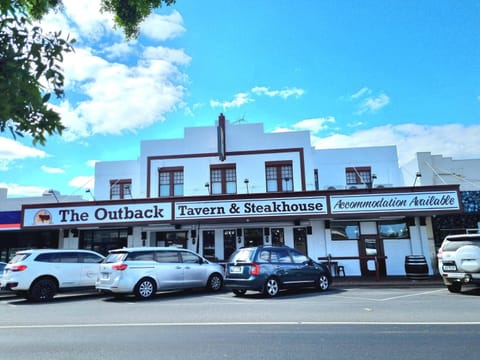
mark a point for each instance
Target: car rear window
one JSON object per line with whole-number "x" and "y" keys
{"x": 18, "y": 258}
{"x": 457, "y": 243}
{"x": 243, "y": 255}
{"x": 115, "y": 257}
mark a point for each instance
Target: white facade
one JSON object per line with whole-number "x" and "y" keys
{"x": 249, "y": 148}
{"x": 441, "y": 170}
{"x": 248, "y": 140}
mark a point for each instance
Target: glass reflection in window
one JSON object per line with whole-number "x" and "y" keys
{"x": 393, "y": 230}
{"x": 343, "y": 230}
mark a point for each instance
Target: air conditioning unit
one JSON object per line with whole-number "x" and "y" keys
{"x": 381, "y": 186}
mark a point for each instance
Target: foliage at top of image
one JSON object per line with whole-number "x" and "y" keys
{"x": 31, "y": 61}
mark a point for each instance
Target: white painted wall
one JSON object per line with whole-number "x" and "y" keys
{"x": 440, "y": 170}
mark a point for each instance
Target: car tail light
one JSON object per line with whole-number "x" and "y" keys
{"x": 18, "y": 267}
{"x": 439, "y": 253}
{"x": 255, "y": 269}
{"x": 119, "y": 267}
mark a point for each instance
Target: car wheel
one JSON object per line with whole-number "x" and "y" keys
{"x": 215, "y": 282}
{"x": 271, "y": 287}
{"x": 239, "y": 292}
{"x": 42, "y": 290}
{"x": 145, "y": 289}
{"x": 455, "y": 287}
{"x": 323, "y": 283}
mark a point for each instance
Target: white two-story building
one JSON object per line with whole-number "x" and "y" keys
{"x": 227, "y": 186}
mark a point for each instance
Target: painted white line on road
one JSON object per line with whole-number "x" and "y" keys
{"x": 267, "y": 323}
{"x": 391, "y": 297}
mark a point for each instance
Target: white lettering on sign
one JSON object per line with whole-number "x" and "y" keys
{"x": 86, "y": 215}
{"x": 446, "y": 200}
{"x": 242, "y": 208}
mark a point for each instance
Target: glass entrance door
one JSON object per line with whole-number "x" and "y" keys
{"x": 253, "y": 237}
{"x": 229, "y": 242}
{"x": 300, "y": 239}
{"x": 372, "y": 255}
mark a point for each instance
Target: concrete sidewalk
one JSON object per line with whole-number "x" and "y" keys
{"x": 388, "y": 281}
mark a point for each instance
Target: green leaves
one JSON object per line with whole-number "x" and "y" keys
{"x": 31, "y": 61}
{"x": 30, "y": 71}
{"x": 128, "y": 14}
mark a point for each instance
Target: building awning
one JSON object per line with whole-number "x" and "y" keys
{"x": 10, "y": 220}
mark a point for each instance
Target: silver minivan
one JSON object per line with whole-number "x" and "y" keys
{"x": 143, "y": 271}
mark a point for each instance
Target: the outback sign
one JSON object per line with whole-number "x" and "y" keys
{"x": 100, "y": 214}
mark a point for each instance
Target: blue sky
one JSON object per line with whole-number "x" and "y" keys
{"x": 354, "y": 73}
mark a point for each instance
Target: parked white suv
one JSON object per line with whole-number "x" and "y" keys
{"x": 459, "y": 260}
{"x": 39, "y": 274}
{"x": 143, "y": 271}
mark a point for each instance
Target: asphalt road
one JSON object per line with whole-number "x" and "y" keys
{"x": 343, "y": 323}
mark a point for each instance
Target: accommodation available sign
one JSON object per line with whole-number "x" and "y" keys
{"x": 96, "y": 214}
{"x": 253, "y": 208}
{"x": 395, "y": 202}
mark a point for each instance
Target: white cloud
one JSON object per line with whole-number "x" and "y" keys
{"x": 239, "y": 100}
{"x": 112, "y": 97}
{"x": 284, "y": 94}
{"x": 454, "y": 140}
{"x": 82, "y": 182}
{"x": 11, "y": 150}
{"x": 52, "y": 170}
{"x": 360, "y": 93}
{"x": 91, "y": 163}
{"x": 17, "y": 190}
{"x": 373, "y": 104}
{"x": 315, "y": 125}
{"x": 163, "y": 27}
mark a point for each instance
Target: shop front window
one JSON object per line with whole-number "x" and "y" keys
{"x": 172, "y": 238}
{"x": 103, "y": 240}
{"x": 343, "y": 230}
{"x": 209, "y": 244}
{"x": 229, "y": 242}
{"x": 278, "y": 236}
{"x": 393, "y": 229}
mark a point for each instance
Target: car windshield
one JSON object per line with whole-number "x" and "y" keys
{"x": 115, "y": 257}
{"x": 455, "y": 244}
{"x": 243, "y": 255}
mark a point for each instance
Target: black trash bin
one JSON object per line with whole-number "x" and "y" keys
{"x": 416, "y": 267}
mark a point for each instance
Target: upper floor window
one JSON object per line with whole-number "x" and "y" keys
{"x": 170, "y": 181}
{"x": 358, "y": 175}
{"x": 223, "y": 179}
{"x": 120, "y": 189}
{"x": 279, "y": 176}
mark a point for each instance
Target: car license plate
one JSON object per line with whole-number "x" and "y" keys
{"x": 449, "y": 268}
{"x": 105, "y": 276}
{"x": 236, "y": 269}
